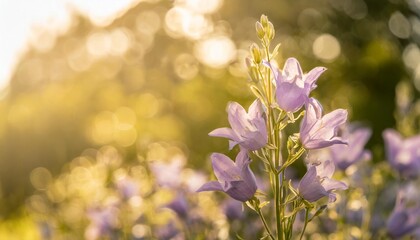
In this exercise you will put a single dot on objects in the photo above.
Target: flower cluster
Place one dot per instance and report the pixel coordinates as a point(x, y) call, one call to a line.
point(260, 134)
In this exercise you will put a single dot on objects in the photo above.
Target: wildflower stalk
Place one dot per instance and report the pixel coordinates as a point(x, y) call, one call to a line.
point(259, 133)
point(306, 223)
point(267, 228)
point(275, 140)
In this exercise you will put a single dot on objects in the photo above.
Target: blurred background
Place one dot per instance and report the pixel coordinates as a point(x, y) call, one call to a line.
point(81, 75)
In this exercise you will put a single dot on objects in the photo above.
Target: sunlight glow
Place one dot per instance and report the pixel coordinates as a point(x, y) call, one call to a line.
point(216, 52)
point(39, 22)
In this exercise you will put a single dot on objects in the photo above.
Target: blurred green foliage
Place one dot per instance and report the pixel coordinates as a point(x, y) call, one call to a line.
point(141, 80)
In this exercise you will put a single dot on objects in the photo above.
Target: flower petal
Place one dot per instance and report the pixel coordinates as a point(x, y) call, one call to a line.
point(276, 71)
point(325, 169)
point(210, 186)
point(310, 187)
point(237, 118)
point(224, 168)
point(312, 76)
point(321, 143)
point(290, 97)
point(393, 144)
point(292, 68)
point(224, 133)
point(242, 161)
point(255, 111)
point(331, 184)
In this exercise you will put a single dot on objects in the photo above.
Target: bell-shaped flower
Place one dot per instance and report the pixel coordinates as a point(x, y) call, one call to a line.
point(404, 219)
point(317, 182)
point(292, 85)
point(248, 129)
point(346, 155)
point(317, 131)
point(234, 178)
point(403, 154)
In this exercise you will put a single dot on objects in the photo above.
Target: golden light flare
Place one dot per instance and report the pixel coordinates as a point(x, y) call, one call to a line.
point(216, 52)
point(326, 47)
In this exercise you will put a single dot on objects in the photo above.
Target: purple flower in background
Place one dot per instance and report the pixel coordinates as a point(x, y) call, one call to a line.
point(179, 205)
point(233, 209)
point(167, 173)
point(317, 131)
point(403, 154)
point(103, 222)
point(234, 178)
point(292, 86)
point(127, 187)
point(169, 231)
point(248, 129)
point(317, 182)
point(404, 219)
point(346, 155)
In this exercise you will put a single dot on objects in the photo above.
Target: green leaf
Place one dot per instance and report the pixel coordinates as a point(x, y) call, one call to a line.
point(295, 211)
point(275, 51)
point(264, 237)
point(239, 237)
point(263, 204)
point(271, 146)
point(318, 212)
point(256, 92)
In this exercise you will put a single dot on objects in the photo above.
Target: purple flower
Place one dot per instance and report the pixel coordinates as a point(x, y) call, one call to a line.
point(317, 131)
point(317, 182)
point(403, 154)
point(234, 178)
point(127, 187)
point(167, 173)
point(346, 155)
point(233, 209)
point(103, 222)
point(168, 231)
point(248, 129)
point(292, 86)
point(180, 206)
point(404, 219)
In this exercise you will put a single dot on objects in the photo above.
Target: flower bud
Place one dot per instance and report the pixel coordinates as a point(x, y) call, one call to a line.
point(270, 31)
point(256, 53)
point(260, 30)
point(264, 21)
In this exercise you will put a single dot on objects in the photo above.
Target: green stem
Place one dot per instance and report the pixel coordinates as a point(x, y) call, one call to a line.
point(278, 207)
point(265, 223)
point(306, 223)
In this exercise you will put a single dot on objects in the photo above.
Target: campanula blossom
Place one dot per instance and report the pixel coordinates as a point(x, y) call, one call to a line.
point(247, 129)
point(346, 155)
point(404, 219)
point(403, 154)
point(234, 178)
point(317, 182)
point(317, 131)
point(292, 85)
